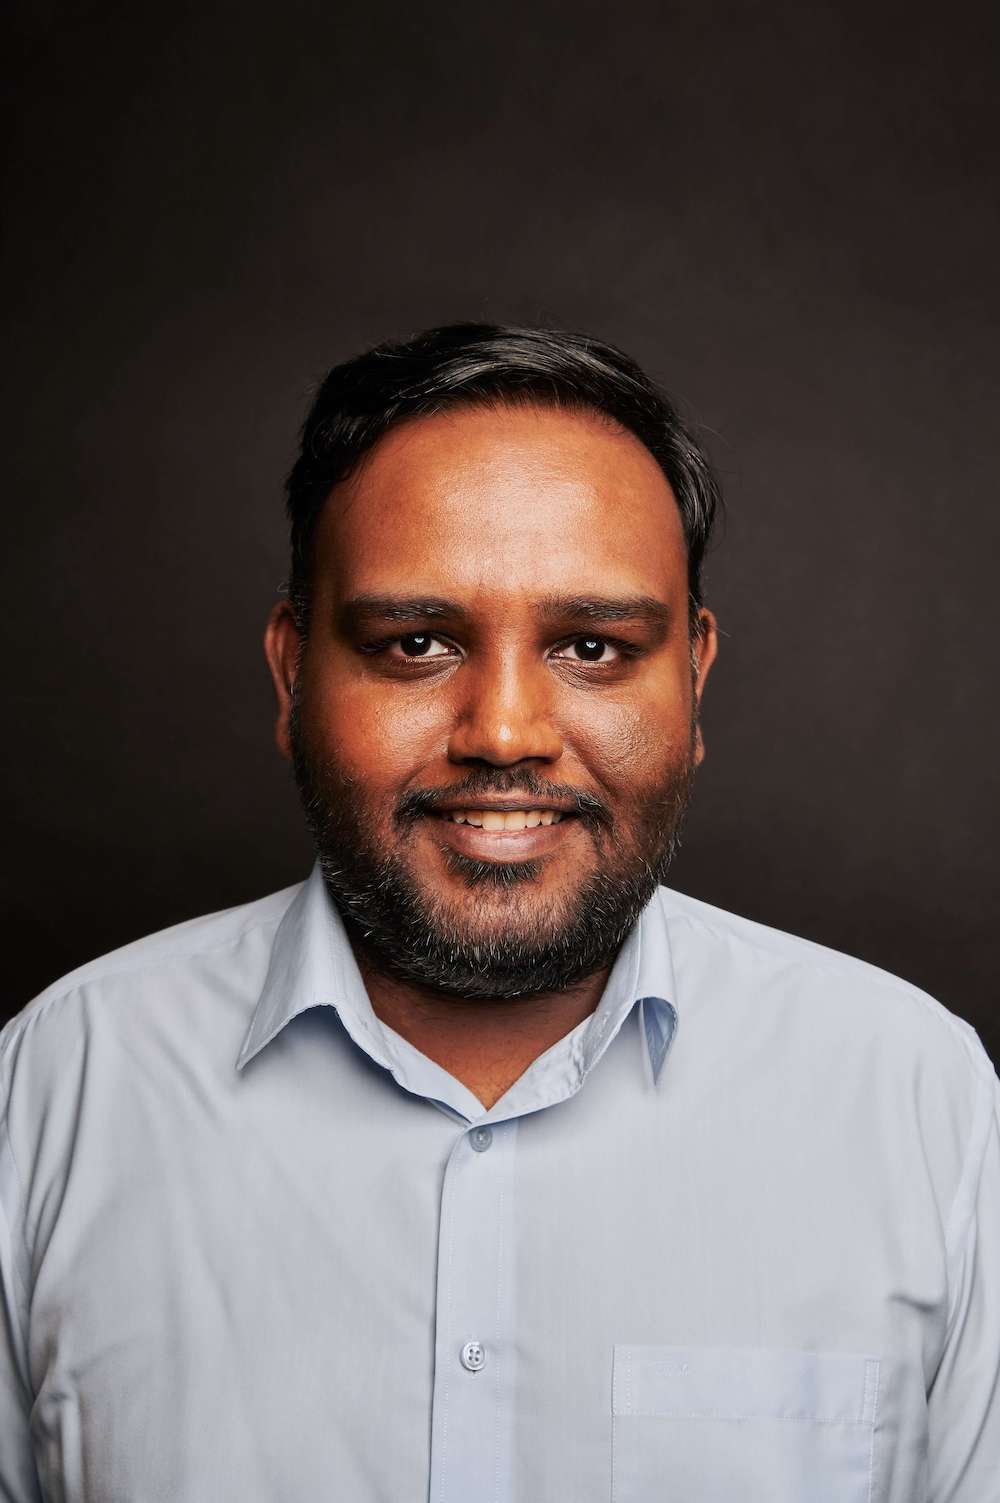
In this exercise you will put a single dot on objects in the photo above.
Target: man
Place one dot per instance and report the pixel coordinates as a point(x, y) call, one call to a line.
point(481, 1166)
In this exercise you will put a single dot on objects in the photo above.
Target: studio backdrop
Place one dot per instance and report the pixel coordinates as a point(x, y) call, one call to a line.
point(787, 214)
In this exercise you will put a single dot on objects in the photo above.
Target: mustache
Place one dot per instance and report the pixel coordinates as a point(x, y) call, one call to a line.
point(497, 782)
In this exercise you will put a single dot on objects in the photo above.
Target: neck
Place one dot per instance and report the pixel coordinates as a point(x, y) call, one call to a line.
point(486, 1043)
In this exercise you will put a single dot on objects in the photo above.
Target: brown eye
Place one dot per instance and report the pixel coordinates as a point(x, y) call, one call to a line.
point(590, 650)
point(416, 644)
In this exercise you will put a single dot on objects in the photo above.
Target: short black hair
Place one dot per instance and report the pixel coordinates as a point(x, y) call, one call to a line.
point(487, 365)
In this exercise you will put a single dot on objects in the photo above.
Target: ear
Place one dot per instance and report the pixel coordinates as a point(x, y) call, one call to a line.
point(282, 648)
point(704, 649)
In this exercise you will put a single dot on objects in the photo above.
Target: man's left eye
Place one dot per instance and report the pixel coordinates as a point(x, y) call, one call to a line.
point(590, 650)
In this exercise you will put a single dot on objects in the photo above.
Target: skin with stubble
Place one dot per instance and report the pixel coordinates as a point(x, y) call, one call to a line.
point(493, 720)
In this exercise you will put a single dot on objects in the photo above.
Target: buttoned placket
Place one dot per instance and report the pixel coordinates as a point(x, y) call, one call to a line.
point(471, 1437)
point(472, 1422)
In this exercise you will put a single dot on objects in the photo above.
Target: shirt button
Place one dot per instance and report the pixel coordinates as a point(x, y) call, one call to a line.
point(481, 1138)
point(473, 1356)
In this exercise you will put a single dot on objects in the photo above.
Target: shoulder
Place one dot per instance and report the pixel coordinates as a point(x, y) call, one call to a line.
point(826, 1044)
point(177, 961)
point(817, 993)
point(148, 1026)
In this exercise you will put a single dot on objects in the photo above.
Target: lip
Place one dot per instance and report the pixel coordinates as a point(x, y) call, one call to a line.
point(506, 806)
point(500, 845)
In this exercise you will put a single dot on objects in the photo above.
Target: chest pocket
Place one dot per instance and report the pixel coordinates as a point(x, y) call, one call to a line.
point(711, 1424)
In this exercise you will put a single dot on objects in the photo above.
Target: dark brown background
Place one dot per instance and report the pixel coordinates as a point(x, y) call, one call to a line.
point(788, 213)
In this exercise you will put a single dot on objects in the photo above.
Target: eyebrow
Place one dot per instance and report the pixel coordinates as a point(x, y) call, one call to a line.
point(594, 609)
point(645, 609)
point(398, 608)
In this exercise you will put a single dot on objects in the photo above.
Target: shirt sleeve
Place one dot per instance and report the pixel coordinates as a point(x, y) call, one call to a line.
point(18, 1477)
point(964, 1398)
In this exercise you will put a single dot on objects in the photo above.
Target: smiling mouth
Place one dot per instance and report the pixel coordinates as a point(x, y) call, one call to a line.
point(497, 820)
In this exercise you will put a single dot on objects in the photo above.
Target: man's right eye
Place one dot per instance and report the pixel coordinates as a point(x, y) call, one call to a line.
point(419, 645)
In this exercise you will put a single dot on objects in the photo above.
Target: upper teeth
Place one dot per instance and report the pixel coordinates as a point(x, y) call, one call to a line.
point(497, 819)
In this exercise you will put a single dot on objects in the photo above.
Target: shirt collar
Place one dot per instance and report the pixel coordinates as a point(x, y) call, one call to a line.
point(312, 965)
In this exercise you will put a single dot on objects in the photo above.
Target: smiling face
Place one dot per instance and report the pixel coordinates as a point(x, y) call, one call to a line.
point(493, 718)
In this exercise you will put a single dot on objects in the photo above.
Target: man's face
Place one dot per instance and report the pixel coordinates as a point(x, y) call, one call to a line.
point(493, 719)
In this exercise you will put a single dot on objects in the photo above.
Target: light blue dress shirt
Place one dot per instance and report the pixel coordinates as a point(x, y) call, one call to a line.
point(734, 1239)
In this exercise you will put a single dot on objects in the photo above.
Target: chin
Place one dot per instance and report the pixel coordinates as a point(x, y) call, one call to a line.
point(493, 917)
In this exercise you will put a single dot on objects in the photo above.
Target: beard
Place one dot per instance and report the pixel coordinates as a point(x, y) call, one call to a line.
point(502, 940)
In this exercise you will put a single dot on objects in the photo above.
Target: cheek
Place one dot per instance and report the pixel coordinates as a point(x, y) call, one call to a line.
point(632, 744)
point(379, 738)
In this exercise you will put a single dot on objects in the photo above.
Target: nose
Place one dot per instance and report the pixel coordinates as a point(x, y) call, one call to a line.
point(505, 716)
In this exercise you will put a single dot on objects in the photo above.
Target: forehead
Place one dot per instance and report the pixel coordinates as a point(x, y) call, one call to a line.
point(504, 501)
